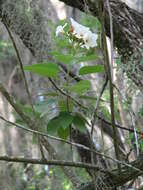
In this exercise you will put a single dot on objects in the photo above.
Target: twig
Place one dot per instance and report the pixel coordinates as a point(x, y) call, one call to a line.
point(10, 99)
point(52, 162)
point(20, 62)
point(65, 141)
point(118, 126)
point(94, 118)
point(132, 114)
point(67, 95)
point(96, 106)
point(71, 74)
point(68, 172)
point(108, 70)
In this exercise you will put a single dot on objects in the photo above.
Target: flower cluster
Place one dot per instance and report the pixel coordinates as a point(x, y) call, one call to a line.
point(82, 33)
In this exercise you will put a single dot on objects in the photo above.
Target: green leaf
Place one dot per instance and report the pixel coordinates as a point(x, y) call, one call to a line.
point(81, 87)
point(63, 105)
point(63, 133)
point(65, 119)
point(53, 94)
point(44, 69)
point(53, 126)
point(91, 69)
point(86, 58)
point(79, 122)
point(65, 58)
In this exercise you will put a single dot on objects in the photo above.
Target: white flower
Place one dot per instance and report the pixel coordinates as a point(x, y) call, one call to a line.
point(78, 29)
point(60, 29)
point(82, 32)
point(90, 40)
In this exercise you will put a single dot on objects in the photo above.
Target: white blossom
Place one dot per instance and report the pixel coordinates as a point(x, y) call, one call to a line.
point(78, 29)
point(60, 29)
point(90, 40)
point(82, 32)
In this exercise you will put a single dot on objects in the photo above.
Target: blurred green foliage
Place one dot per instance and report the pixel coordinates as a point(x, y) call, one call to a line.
point(6, 50)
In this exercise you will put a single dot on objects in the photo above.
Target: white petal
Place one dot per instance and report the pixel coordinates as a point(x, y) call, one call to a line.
point(79, 30)
point(59, 30)
point(90, 40)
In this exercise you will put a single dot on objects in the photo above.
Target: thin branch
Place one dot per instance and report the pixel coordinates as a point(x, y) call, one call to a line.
point(71, 74)
point(65, 141)
point(97, 104)
point(17, 108)
point(67, 95)
point(118, 126)
point(31, 124)
point(59, 163)
point(108, 70)
point(132, 114)
point(20, 62)
point(94, 119)
point(52, 162)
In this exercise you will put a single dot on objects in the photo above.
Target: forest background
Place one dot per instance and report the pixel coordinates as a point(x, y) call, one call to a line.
point(66, 114)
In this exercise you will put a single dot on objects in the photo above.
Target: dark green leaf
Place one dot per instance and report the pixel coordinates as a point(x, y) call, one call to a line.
point(63, 133)
point(79, 121)
point(53, 126)
point(44, 69)
point(65, 119)
point(91, 69)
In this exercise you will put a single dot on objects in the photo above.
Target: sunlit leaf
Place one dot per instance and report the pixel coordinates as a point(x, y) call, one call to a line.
point(81, 87)
point(53, 94)
point(64, 58)
point(86, 58)
point(44, 69)
point(91, 69)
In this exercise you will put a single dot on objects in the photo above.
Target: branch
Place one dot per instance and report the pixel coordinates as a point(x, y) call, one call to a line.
point(20, 63)
point(17, 108)
point(120, 179)
point(64, 141)
point(31, 124)
point(52, 162)
point(67, 95)
point(108, 71)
